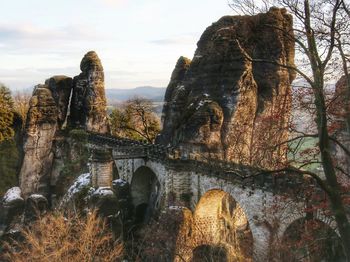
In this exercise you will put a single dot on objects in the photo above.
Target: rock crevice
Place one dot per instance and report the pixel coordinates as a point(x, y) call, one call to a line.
point(61, 104)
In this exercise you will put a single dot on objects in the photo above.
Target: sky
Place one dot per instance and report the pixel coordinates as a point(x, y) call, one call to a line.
point(138, 41)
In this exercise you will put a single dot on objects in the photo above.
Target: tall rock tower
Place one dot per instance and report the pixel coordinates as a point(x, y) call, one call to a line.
point(59, 104)
point(232, 101)
point(89, 107)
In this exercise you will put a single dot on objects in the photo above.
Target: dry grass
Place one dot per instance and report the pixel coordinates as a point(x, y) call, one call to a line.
point(56, 237)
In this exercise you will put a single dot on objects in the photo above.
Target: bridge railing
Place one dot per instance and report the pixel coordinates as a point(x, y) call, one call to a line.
point(128, 148)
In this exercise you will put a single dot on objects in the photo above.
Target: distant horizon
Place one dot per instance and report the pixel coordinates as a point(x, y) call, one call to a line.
point(137, 41)
point(28, 89)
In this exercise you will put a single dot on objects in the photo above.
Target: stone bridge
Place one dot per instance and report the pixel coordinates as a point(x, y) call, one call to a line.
point(256, 206)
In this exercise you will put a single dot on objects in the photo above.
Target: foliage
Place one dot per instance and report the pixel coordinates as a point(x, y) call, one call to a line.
point(56, 237)
point(157, 240)
point(21, 104)
point(9, 155)
point(9, 161)
point(6, 114)
point(310, 240)
point(135, 120)
point(79, 135)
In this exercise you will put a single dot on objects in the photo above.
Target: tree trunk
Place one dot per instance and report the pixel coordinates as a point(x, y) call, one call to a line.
point(334, 193)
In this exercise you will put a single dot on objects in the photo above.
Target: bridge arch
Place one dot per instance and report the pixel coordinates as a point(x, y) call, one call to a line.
point(310, 240)
point(251, 201)
point(145, 188)
point(221, 228)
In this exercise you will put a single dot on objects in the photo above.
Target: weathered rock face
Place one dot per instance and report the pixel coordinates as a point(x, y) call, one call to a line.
point(36, 206)
point(338, 110)
point(41, 126)
point(88, 107)
point(12, 207)
point(174, 100)
point(54, 106)
point(223, 103)
point(60, 87)
point(339, 104)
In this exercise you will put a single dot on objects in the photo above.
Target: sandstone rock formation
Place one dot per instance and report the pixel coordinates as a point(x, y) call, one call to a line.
point(41, 127)
point(88, 107)
point(60, 87)
point(174, 99)
point(12, 207)
point(59, 104)
point(227, 105)
point(338, 110)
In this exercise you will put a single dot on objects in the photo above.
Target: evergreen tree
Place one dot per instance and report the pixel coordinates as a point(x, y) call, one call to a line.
point(6, 114)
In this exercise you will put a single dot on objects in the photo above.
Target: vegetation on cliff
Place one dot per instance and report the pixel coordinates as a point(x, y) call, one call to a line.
point(12, 115)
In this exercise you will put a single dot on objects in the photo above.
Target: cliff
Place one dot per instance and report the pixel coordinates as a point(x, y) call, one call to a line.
point(338, 112)
point(89, 106)
point(228, 102)
point(60, 105)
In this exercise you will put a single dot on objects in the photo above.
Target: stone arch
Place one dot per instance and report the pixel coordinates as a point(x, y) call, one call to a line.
point(310, 240)
point(251, 201)
point(297, 211)
point(220, 224)
point(145, 189)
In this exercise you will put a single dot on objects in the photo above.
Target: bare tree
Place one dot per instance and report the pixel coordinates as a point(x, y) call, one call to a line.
point(135, 119)
point(320, 33)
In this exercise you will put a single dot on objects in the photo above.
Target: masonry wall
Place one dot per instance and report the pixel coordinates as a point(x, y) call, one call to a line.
point(268, 214)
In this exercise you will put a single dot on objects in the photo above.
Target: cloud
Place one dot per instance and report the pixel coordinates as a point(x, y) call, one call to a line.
point(114, 3)
point(25, 38)
point(176, 40)
point(24, 78)
point(31, 32)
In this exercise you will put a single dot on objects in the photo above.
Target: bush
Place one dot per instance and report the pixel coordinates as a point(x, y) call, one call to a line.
point(56, 237)
point(9, 163)
point(79, 135)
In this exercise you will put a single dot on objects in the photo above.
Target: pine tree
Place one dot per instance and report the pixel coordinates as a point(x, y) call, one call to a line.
point(6, 114)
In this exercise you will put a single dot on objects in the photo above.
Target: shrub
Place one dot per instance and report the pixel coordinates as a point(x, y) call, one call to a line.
point(56, 237)
point(79, 135)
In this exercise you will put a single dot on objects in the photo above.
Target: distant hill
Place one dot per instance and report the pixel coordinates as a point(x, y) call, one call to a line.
point(155, 94)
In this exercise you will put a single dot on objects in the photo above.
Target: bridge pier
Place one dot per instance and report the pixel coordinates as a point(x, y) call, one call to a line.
point(101, 168)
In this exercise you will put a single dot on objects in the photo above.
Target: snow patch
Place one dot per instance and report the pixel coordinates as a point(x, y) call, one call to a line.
point(200, 104)
point(36, 196)
point(79, 184)
point(14, 231)
point(119, 182)
point(176, 207)
point(82, 181)
point(103, 191)
point(12, 194)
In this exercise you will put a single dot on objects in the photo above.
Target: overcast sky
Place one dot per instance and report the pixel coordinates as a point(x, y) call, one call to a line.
point(138, 41)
